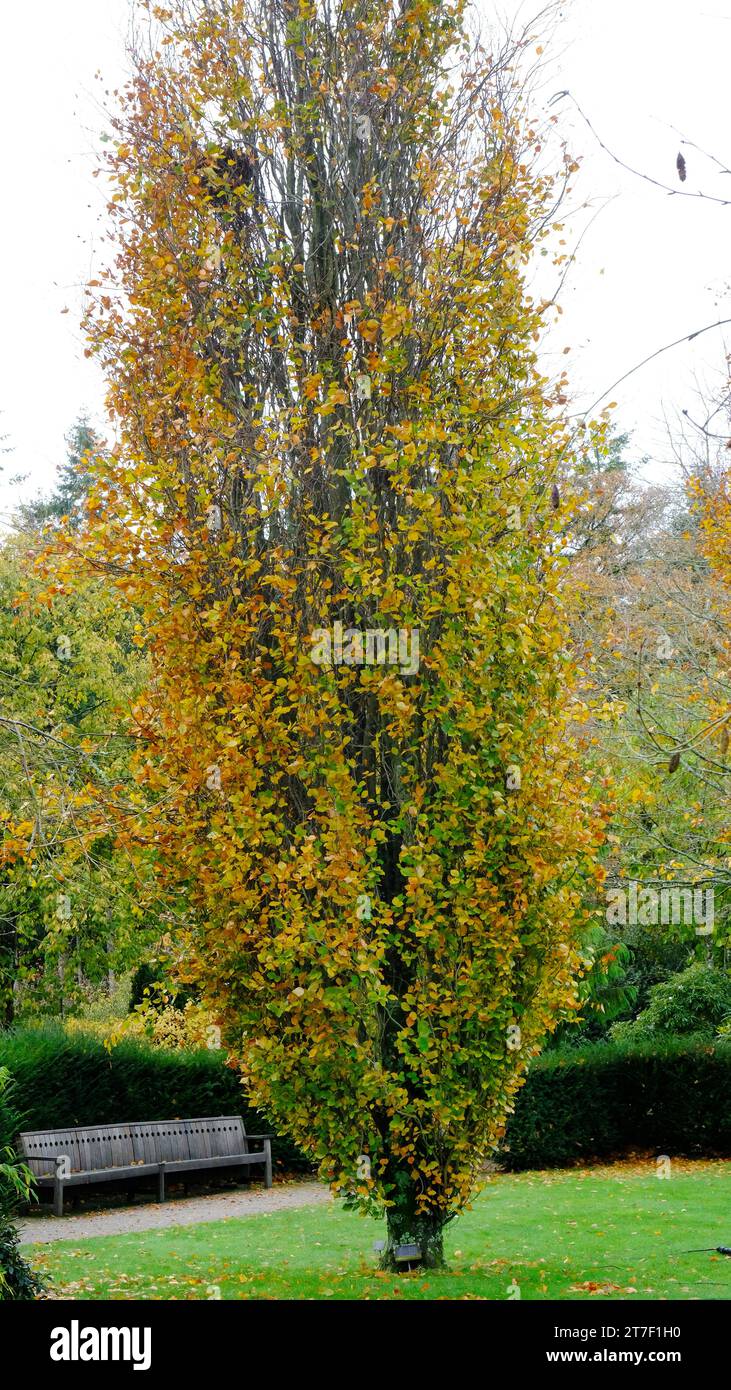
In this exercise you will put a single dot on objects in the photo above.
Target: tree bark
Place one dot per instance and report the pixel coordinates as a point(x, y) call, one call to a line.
point(404, 1226)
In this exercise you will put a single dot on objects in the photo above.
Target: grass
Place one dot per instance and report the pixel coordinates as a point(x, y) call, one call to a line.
point(614, 1232)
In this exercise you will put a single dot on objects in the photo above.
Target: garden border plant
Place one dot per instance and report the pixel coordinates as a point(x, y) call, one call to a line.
point(18, 1282)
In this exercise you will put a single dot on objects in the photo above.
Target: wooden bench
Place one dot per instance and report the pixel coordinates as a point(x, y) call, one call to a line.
point(61, 1158)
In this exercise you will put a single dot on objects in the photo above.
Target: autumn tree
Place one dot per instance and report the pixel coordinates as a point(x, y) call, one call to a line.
point(320, 352)
point(71, 664)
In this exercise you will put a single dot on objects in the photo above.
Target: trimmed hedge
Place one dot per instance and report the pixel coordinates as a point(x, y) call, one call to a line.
point(71, 1079)
point(9, 1114)
point(578, 1104)
point(606, 1099)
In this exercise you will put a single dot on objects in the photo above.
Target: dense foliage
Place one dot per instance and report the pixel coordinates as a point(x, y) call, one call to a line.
point(695, 1001)
point(668, 1097)
point(70, 666)
point(17, 1280)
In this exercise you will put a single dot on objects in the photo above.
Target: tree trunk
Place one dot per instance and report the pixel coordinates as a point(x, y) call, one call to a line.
point(405, 1227)
point(7, 1007)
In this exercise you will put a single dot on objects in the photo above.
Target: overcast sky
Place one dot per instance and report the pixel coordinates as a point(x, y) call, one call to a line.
point(650, 268)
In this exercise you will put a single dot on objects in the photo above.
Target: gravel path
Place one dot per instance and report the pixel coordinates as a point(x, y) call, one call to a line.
point(186, 1211)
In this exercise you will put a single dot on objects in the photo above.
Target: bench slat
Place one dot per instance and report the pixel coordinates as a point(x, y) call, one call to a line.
point(143, 1145)
point(198, 1135)
point(229, 1161)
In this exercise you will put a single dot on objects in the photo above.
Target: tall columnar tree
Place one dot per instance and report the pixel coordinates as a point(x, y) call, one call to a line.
point(320, 355)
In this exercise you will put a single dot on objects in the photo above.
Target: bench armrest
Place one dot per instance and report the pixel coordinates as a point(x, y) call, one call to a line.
point(32, 1157)
point(261, 1136)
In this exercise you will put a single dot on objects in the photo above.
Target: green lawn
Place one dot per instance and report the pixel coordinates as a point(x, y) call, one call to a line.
point(611, 1232)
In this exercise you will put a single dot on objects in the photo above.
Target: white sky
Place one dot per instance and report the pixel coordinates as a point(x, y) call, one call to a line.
point(650, 269)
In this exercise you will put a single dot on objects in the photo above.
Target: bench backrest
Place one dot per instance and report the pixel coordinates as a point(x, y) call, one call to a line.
point(108, 1146)
point(211, 1137)
point(92, 1147)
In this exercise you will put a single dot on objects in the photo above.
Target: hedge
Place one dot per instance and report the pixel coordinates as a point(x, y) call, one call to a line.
point(71, 1079)
point(9, 1113)
point(577, 1104)
point(606, 1099)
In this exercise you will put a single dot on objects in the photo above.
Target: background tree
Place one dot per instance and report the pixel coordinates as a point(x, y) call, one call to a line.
point(71, 663)
point(72, 484)
point(322, 374)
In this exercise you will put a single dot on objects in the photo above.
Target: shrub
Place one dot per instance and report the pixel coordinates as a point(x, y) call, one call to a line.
point(603, 1100)
point(17, 1280)
point(695, 1002)
point(655, 955)
point(102, 1004)
point(73, 1079)
point(9, 1115)
point(150, 986)
point(145, 978)
point(604, 993)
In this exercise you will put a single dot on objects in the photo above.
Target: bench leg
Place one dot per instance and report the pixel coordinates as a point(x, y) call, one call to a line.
point(161, 1183)
point(268, 1163)
point(58, 1196)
